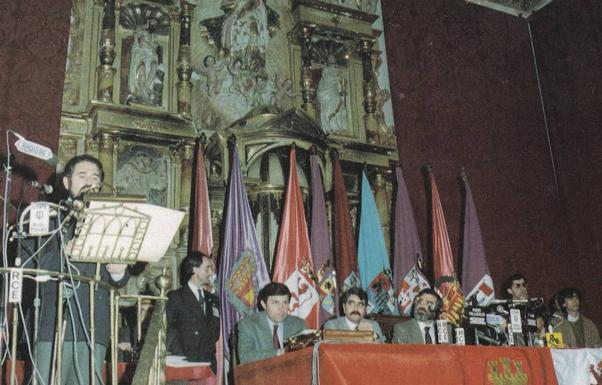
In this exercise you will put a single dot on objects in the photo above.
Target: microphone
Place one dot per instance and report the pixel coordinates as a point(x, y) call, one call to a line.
point(500, 309)
point(537, 301)
point(41, 187)
point(36, 150)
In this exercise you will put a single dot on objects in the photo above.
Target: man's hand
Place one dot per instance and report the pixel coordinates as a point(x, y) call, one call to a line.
point(125, 346)
point(116, 268)
point(365, 326)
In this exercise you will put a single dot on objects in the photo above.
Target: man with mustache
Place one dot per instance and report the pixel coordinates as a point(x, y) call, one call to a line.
point(353, 304)
point(82, 174)
point(420, 329)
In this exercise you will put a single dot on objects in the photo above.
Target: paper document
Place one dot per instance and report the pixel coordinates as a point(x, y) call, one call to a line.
point(181, 362)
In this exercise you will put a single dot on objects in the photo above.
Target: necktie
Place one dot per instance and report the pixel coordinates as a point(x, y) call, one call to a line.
point(202, 301)
point(427, 335)
point(275, 340)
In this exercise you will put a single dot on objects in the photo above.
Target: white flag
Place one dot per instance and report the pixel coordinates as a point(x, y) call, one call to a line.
point(578, 366)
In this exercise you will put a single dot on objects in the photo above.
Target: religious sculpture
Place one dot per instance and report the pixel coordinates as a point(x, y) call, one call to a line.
point(143, 171)
point(245, 31)
point(284, 90)
point(332, 98)
point(145, 79)
point(211, 68)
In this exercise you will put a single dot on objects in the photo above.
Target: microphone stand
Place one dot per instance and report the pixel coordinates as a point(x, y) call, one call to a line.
point(36, 313)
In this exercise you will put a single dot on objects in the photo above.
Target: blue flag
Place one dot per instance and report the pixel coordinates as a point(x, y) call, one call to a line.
point(372, 257)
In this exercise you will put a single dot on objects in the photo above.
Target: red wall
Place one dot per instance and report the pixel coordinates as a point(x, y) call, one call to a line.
point(33, 48)
point(465, 94)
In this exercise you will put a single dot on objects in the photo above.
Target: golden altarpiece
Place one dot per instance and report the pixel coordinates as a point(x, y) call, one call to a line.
point(145, 79)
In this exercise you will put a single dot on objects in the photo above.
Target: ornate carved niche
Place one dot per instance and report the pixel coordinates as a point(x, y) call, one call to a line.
point(144, 60)
point(143, 170)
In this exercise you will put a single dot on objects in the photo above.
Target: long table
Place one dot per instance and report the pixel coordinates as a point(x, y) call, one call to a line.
point(125, 373)
point(402, 364)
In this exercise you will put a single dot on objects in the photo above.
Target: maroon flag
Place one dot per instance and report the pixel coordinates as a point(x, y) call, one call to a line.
point(344, 242)
point(320, 244)
point(443, 261)
point(293, 264)
point(202, 237)
point(476, 280)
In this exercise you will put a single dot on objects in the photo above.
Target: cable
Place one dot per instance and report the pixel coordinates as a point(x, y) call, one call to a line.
point(34, 364)
point(543, 109)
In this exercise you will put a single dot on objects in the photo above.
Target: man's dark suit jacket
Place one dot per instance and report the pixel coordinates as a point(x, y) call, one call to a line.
point(77, 299)
point(191, 333)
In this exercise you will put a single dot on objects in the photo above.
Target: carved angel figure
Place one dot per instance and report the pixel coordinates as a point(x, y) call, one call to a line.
point(284, 90)
point(210, 69)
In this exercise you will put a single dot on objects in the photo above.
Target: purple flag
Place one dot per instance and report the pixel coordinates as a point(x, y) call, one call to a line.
point(407, 253)
point(320, 244)
point(406, 248)
point(242, 271)
point(476, 280)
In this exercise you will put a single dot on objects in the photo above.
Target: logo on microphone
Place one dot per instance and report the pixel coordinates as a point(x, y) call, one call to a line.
point(33, 149)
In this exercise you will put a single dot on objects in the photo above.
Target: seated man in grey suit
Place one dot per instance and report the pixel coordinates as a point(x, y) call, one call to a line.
point(420, 329)
point(353, 304)
point(262, 335)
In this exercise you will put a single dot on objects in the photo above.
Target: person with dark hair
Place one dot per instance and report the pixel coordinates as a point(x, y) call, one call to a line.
point(420, 329)
point(353, 305)
point(98, 174)
point(515, 287)
point(193, 312)
point(577, 330)
point(262, 335)
point(83, 173)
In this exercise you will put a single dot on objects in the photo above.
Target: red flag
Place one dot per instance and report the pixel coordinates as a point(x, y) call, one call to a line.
point(344, 241)
point(202, 238)
point(293, 264)
point(443, 261)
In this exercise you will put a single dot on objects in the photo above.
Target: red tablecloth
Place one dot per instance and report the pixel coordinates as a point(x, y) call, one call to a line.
point(404, 364)
point(125, 372)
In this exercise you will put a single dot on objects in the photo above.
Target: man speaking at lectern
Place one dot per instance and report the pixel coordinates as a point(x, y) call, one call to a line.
point(82, 174)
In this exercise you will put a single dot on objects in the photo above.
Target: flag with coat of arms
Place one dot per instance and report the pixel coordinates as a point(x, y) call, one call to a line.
point(293, 264)
point(407, 253)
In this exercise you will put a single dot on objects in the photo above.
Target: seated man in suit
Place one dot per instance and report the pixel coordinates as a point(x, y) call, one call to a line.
point(420, 329)
point(262, 335)
point(353, 304)
point(193, 313)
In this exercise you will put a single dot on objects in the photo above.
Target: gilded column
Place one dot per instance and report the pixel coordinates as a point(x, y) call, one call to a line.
point(370, 120)
point(105, 71)
point(67, 148)
point(106, 151)
point(184, 69)
point(308, 89)
point(186, 154)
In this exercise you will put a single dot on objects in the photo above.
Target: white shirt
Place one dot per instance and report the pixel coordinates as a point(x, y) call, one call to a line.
point(195, 290)
point(280, 330)
point(351, 325)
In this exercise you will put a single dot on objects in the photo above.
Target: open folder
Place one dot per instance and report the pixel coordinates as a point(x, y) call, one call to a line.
point(113, 231)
